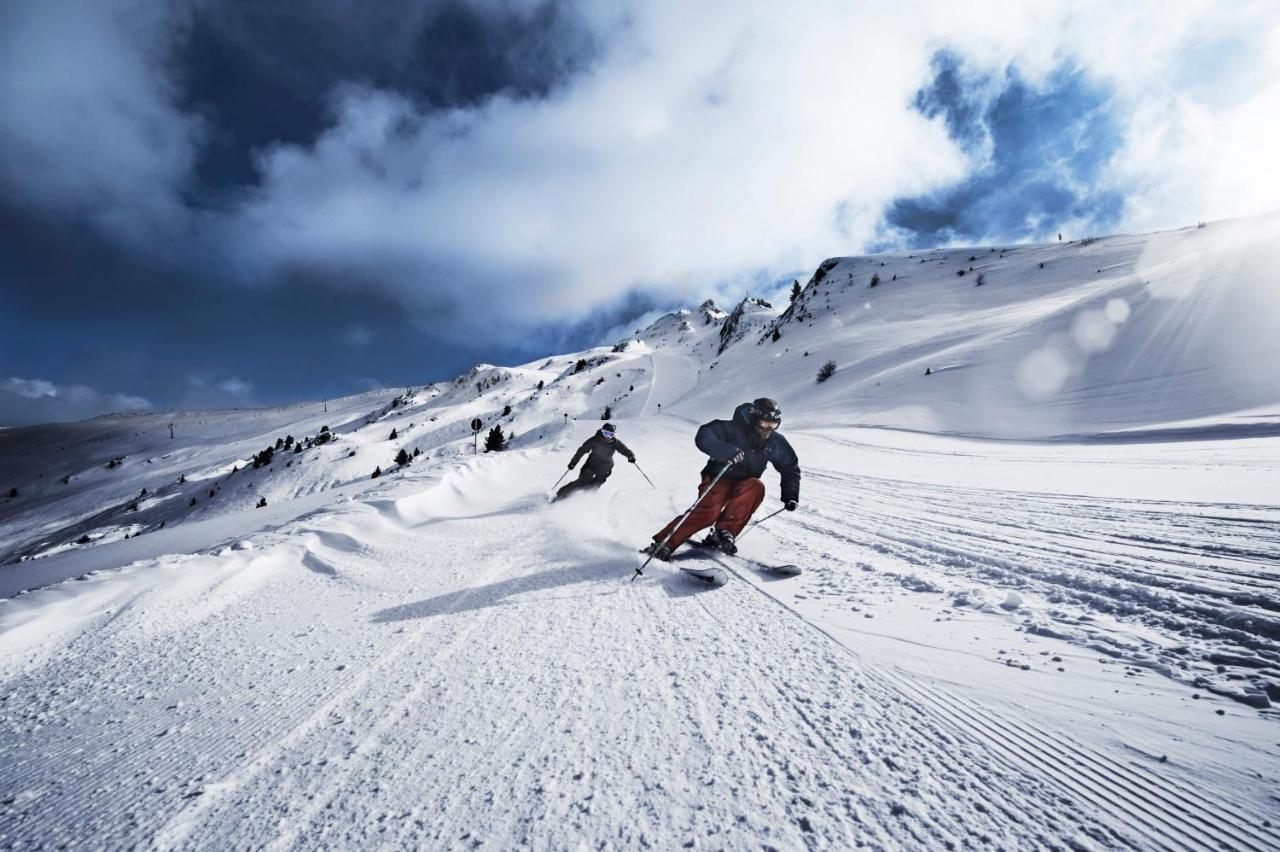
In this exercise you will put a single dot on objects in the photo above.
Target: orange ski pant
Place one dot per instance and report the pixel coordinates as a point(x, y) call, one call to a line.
point(729, 505)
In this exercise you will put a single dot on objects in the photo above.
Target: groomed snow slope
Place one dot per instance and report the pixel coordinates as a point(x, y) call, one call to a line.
point(1066, 643)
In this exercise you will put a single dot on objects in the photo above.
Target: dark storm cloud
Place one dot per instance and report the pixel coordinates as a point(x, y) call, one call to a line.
point(1044, 149)
point(115, 165)
point(263, 73)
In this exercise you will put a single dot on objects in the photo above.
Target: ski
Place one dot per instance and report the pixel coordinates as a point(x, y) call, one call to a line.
point(784, 570)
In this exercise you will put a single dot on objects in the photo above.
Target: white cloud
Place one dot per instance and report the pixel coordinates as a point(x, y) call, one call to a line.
point(357, 337)
point(88, 122)
point(30, 388)
point(236, 386)
point(714, 141)
point(709, 144)
point(27, 401)
point(212, 391)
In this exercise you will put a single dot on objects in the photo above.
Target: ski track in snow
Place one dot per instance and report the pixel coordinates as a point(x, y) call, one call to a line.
point(494, 682)
point(1203, 572)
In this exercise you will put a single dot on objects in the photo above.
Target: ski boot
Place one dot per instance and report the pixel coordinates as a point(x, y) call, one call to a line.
point(721, 540)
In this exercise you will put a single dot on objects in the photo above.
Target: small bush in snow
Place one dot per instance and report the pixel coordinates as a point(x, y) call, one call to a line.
point(982, 279)
point(776, 336)
point(377, 471)
point(506, 409)
point(826, 371)
point(13, 492)
point(540, 382)
point(193, 502)
point(580, 365)
point(84, 539)
point(262, 501)
point(875, 279)
point(394, 435)
point(495, 441)
point(416, 452)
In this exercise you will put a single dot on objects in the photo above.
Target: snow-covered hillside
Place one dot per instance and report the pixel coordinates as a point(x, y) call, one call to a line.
point(1041, 551)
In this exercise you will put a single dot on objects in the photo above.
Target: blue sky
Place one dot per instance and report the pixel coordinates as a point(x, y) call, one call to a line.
point(209, 203)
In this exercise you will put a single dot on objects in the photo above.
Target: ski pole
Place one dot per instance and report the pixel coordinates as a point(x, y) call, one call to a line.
point(646, 477)
point(562, 476)
point(726, 467)
point(761, 521)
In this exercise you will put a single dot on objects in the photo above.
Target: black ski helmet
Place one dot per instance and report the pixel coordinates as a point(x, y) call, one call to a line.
point(608, 427)
point(766, 409)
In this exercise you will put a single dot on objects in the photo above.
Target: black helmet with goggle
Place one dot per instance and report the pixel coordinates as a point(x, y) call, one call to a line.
point(767, 410)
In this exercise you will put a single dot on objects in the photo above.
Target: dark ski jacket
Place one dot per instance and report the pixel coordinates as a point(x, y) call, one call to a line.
point(601, 450)
point(722, 439)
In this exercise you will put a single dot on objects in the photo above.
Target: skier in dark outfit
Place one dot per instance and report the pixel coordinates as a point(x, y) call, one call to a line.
point(599, 450)
point(746, 444)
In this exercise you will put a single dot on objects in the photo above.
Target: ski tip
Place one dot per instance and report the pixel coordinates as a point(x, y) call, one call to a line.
point(712, 576)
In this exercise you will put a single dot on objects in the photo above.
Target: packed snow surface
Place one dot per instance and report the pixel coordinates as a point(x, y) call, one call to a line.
point(1039, 529)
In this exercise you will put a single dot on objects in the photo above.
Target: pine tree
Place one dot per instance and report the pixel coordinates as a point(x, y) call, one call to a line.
point(506, 409)
point(495, 441)
point(827, 371)
point(394, 435)
point(402, 458)
point(875, 279)
point(377, 471)
point(608, 413)
point(795, 290)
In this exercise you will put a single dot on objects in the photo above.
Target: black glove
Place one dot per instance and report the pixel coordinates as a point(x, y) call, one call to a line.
point(570, 465)
point(791, 505)
point(739, 457)
point(632, 459)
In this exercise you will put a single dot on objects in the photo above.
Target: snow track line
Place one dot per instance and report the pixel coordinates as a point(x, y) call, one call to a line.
point(1023, 747)
point(1127, 785)
point(367, 744)
point(926, 753)
point(1191, 822)
point(178, 828)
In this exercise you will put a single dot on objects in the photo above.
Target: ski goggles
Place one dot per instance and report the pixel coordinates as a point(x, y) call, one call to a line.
point(607, 434)
point(768, 422)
